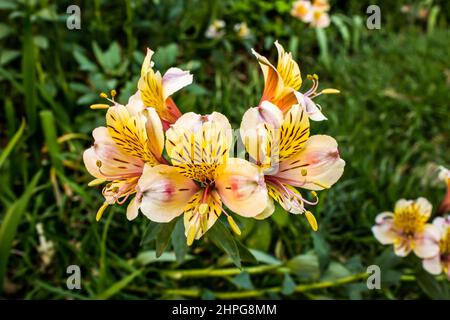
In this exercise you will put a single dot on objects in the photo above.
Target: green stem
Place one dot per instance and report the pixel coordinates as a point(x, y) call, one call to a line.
point(209, 272)
point(195, 293)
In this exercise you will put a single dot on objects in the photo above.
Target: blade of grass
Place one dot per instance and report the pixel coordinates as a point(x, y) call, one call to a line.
point(51, 139)
point(12, 143)
point(118, 286)
point(10, 223)
point(29, 75)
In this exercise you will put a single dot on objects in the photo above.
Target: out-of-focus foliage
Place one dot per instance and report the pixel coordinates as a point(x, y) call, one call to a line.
point(391, 121)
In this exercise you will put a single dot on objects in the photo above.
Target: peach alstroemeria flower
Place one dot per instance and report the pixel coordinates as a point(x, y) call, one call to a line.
point(407, 228)
point(315, 14)
point(441, 261)
point(301, 10)
point(319, 17)
point(198, 147)
point(155, 90)
point(283, 82)
point(290, 157)
point(444, 175)
point(121, 149)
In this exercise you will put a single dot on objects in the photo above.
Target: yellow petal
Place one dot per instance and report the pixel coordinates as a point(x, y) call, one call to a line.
point(288, 68)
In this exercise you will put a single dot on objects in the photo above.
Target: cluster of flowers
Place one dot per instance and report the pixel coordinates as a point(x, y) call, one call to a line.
point(196, 176)
point(217, 30)
point(407, 229)
point(315, 13)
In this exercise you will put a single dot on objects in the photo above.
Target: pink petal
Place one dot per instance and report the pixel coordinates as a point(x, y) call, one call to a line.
point(165, 192)
point(316, 167)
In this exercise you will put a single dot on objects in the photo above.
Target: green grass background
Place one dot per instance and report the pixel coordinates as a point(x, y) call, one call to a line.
point(391, 121)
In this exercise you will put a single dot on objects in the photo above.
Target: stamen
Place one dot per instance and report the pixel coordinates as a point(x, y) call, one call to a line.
point(101, 210)
point(312, 220)
point(96, 182)
point(99, 106)
point(191, 235)
point(233, 225)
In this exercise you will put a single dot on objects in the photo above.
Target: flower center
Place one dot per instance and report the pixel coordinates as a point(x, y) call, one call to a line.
point(444, 243)
point(410, 220)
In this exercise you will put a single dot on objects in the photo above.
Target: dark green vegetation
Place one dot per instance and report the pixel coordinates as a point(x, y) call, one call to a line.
point(392, 121)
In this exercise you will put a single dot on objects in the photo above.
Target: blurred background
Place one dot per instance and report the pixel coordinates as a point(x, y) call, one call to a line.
point(391, 121)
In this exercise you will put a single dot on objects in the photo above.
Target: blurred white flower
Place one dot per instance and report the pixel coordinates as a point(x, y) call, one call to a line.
point(45, 248)
point(242, 30)
point(216, 29)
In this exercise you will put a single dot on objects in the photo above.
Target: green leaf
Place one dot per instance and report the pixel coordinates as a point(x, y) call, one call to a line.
point(10, 224)
point(280, 216)
point(179, 241)
point(260, 237)
point(166, 56)
point(305, 265)
point(335, 271)
point(84, 62)
point(288, 285)
point(265, 258)
point(7, 56)
point(432, 287)
point(245, 254)
point(5, 30)
point(223, 239)
point(12, 143)
point(243, 281)
point(163, 236)
point(322, 249)
point(150, 232)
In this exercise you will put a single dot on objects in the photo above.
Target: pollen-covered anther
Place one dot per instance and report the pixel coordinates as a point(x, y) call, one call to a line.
point(101, 210)
point(96, 182)
point(191, 235)
point(99, 106)
point(233, 225)
point(311, 220)
point(330, 91)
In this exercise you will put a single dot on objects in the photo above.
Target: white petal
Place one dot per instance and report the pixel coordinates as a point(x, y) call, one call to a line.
point(427, 242)
point(175, 79)
point(432, 265)
point(384, 234)
point(133, 209)
point(311, 108)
